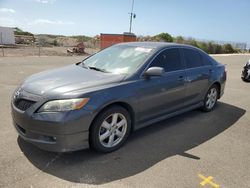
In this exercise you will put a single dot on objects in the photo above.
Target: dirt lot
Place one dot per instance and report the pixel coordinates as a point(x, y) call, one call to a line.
point(23, 51)
point(176, 152)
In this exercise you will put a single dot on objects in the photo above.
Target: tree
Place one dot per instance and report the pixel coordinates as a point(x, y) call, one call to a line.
point(192, 42)
point(165, 37)
point(19, 31)
point(218, 49)
point(210, 48)
point(228, 48)
point(203, 46)
point(179, 39)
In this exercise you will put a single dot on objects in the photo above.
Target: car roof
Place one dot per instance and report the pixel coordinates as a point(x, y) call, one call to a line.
point(155, 45)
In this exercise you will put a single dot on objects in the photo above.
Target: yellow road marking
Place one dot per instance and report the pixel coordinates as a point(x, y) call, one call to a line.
point(208, 180)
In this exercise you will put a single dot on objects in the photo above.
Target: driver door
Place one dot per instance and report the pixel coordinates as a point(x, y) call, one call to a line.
point(160, 95)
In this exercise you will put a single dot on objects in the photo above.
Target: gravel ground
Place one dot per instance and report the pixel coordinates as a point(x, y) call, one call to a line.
point(23, 51)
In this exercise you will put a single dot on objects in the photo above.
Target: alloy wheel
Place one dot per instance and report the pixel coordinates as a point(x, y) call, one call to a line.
point(112, 130)
point(211, 98)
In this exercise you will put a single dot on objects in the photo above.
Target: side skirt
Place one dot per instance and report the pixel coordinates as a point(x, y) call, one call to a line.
point(166, 116)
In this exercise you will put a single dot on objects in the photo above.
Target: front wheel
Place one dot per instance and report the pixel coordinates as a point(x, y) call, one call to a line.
point(110, 129)
point(210, 99)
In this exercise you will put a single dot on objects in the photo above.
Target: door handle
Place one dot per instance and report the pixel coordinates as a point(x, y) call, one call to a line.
point(211, 70)
point(181, 78)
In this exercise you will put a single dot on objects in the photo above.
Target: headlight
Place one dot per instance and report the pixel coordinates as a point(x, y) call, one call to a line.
point(63, 105)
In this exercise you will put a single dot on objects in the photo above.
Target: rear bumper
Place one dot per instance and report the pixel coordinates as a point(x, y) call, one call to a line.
point(57, 132)
point(222, 84)
point(222, 89)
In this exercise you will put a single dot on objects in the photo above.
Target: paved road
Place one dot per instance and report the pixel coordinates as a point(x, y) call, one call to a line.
point(178, 152)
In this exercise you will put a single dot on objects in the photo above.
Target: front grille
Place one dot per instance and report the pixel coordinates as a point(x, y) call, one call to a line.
point(23, 104)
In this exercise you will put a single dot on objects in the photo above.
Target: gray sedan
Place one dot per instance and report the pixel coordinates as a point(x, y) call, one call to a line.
point(98, 102)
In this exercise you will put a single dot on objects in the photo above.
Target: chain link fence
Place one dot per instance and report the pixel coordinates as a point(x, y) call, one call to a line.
point(48, 46)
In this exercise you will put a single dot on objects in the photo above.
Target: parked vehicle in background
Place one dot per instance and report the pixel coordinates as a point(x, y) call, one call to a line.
point(79, 49)
point(98, 102)
point(245, 75)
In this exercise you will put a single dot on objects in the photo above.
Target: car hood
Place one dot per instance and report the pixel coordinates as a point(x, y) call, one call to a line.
point(67, 79)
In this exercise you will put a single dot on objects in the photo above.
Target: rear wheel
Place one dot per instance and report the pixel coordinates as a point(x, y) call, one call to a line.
point(110, 129)
point(210, 99)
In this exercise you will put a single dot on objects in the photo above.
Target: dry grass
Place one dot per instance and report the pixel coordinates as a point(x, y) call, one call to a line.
point(44, 51)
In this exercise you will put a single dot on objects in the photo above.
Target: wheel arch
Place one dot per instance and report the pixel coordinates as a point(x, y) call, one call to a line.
point(123, 104)
point(218, 85)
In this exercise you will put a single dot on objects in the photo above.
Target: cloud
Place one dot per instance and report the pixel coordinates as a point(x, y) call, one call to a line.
point(50, 22)
point(7, 10)
point(24, 23)
point(46, 1)
point(8, 22)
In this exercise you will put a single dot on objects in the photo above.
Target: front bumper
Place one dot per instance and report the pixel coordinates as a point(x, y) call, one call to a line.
point(57, 132)
point(245, 75)
point(54, 143)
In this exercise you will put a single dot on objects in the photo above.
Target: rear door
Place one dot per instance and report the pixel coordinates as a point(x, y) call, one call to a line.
point(163, 94)
point(197, 75)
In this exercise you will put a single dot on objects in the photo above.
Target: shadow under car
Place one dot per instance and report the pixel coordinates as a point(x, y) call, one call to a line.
point(143, 149)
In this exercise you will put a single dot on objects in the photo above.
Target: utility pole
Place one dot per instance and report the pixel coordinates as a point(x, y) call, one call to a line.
point(39, 45)
point(132, 15)
point(2, 43)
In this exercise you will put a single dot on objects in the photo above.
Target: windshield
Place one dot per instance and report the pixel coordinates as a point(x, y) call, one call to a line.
point(120, 59)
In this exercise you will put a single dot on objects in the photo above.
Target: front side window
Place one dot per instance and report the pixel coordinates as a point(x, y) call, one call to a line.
point(119, 59)
point(169, 60)
point(192, 58)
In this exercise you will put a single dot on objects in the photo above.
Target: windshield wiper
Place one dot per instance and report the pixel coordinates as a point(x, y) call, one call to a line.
point(89, 67)
point(98, 69)
point(84, 66)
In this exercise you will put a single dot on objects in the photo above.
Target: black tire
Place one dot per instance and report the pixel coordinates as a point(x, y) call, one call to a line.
point(245, 80)
point(206, 107)
point(97, 128)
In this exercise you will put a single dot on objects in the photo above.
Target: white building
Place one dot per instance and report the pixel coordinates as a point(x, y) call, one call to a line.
point(7, 35)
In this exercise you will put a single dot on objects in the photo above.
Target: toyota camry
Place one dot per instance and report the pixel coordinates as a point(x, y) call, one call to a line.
point(101, 100)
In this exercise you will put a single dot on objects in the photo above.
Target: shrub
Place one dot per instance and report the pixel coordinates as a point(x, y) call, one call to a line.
point(192, 42)
point(55, 43)
point(228, 48)
point(165, 37)
point(82, 38)
point(218, 49)
point(179, 39)
point(19, 31)
point(203, 46)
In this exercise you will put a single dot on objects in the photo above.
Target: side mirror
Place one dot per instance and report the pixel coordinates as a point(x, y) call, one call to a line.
point(154, 71)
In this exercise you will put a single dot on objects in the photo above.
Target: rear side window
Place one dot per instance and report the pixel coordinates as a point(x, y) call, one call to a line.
point(192, 58)
point(168, 59)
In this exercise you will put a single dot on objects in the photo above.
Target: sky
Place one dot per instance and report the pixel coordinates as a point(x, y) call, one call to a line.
point(219, 20)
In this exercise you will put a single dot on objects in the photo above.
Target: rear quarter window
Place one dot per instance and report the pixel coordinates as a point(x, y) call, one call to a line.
point(206, 60)
point(192, 58)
